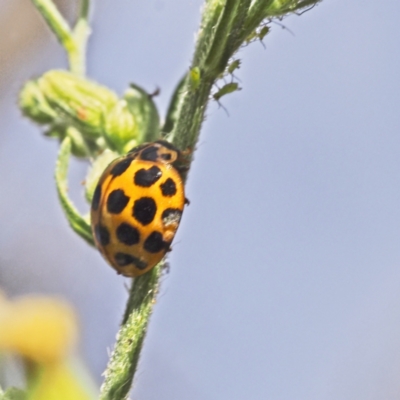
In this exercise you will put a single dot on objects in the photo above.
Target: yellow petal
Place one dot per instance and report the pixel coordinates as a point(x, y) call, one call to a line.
point(59, 381)
point(38, 328)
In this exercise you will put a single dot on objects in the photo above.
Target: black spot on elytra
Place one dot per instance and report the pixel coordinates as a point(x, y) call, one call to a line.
point(166, 156)
point(154, 242)
point(117, 201)
point(127, 234)
point(102, 234)
point(124, 259)
point(119, 168)
point(96, 198)
point(147, 177)
point(171, 215)
point(168, 188)
point(144, 210)
point(149, 154)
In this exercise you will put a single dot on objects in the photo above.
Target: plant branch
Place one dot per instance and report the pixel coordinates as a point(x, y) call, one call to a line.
point(210, 58)
point(212, 63)
point(81, 34)
point(76, 221)
point(55, 21)
point(74, 42)
point(84, 10)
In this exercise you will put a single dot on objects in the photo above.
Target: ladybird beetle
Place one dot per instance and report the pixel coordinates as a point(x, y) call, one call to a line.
point(137, 206)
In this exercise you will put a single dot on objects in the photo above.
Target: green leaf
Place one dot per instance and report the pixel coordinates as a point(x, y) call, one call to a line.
point(78, 223)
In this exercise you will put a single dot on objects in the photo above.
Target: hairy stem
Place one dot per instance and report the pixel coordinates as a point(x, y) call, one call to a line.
point(81, 33)
point(55, 21)
point(74, 42)
point(124, 360)
point(213, 63)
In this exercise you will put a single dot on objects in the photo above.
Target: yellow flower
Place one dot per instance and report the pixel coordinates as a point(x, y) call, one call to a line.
point(61, 381)
point(43, 332)
point(39, 328)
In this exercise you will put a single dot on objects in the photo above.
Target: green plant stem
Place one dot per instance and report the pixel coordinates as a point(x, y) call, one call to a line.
point(84, 9)
point(211, 58)
point(222, 34)
point(78, 223)
point(81, 34)
point(74, 42)
point(125, 357)
point(55, 21)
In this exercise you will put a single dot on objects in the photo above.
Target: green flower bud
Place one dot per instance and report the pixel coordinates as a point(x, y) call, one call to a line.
point(34, 105)
point(120, 126)
point(78, 101)
point(142, 107)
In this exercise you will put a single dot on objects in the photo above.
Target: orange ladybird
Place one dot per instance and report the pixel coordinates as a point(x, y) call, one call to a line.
point(137, 206)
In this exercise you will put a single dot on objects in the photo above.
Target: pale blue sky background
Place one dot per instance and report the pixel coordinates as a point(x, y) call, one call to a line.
point(285, 273)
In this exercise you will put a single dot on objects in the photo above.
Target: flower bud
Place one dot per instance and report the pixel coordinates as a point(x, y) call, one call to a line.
point(142, 107)
point(120, 126)
point(77, 100)
point(34, 104)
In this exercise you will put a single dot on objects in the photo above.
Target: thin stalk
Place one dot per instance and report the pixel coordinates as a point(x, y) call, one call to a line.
point(74, 42)
point(125, 357)
point(222, 35)
point(84, 9)
point(191, 116)
point(55, 21)
point(81, 34)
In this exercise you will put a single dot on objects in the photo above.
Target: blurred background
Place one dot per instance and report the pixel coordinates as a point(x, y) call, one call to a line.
point(285, 273)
